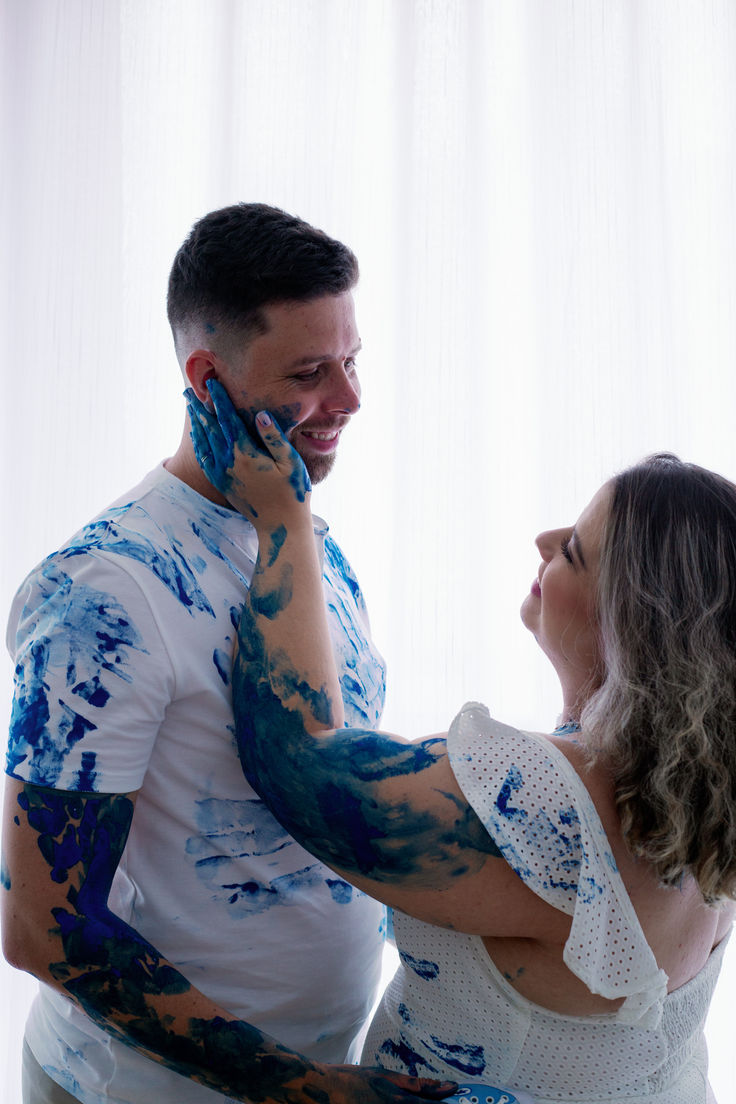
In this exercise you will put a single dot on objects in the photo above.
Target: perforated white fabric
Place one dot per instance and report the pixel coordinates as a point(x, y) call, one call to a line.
point(543, 820)
point(450, 1012)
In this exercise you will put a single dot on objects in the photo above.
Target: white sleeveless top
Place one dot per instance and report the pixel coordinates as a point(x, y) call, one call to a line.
point(449, 1011)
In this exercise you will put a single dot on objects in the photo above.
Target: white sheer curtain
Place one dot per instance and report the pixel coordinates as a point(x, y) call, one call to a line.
point(541, 195)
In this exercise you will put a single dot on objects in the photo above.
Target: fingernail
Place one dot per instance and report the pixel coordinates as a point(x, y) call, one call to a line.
point(188, 394)
point(263, 418)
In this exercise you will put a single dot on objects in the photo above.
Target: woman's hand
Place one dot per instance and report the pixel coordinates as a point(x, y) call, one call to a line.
point(265, 481)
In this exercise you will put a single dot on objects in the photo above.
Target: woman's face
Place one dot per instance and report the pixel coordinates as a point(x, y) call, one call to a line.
point(560, 608)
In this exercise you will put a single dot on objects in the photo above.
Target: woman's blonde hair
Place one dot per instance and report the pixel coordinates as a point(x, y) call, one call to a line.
point(664, 717)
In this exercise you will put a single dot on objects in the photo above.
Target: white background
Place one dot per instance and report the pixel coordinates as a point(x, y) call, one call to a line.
point(541, 195)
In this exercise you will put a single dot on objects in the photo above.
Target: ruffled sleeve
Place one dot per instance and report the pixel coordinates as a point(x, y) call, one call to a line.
point(542, 818)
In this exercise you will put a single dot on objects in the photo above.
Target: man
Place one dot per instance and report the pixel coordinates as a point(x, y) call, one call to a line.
point(188, 950)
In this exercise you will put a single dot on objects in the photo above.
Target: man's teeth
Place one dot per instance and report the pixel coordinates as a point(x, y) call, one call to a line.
point(330, 436)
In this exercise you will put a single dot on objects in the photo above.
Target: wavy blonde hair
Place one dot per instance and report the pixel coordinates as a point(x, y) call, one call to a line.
point(664, 716)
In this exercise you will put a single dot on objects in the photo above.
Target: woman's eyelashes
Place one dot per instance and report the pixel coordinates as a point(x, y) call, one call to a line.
point(565, 549)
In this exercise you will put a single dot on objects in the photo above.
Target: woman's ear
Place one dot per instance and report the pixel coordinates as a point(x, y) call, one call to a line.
point(201, 365)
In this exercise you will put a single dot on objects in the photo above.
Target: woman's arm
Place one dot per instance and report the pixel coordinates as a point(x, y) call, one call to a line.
point(387, 814)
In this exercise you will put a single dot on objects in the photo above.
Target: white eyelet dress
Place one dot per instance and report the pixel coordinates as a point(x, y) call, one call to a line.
point(450, 1012)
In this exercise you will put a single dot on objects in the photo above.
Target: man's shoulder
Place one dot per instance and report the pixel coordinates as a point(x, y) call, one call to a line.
point(339, 570)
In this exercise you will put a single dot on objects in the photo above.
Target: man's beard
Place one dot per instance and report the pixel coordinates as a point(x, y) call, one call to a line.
point(318, 467)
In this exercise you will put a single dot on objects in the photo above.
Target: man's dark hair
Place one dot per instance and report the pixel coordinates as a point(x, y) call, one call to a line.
point(240, 259)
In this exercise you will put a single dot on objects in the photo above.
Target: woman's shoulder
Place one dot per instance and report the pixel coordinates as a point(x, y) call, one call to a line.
point(664, 912)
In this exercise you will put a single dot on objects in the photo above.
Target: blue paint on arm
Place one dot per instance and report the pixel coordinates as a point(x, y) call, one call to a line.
point(326, 790)
point(119, 978)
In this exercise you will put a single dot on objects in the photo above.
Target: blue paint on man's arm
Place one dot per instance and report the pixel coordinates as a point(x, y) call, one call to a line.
point(327, 790)
point(116, 975)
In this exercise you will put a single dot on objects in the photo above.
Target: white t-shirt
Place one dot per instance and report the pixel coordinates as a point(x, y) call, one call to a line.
point(123, 640)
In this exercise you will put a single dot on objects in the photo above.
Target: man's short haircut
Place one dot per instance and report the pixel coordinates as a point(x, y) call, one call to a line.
point(240, 259)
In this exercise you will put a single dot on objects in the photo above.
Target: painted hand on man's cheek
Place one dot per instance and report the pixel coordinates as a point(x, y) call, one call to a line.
point(287, 417)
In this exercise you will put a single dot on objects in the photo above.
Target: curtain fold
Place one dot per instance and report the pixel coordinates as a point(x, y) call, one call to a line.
point(541, 196)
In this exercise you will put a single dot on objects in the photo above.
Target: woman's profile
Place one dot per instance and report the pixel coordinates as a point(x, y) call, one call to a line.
point(561, 902)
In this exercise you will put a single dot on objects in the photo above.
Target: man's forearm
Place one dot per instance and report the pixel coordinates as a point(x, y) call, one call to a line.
point(74, 943)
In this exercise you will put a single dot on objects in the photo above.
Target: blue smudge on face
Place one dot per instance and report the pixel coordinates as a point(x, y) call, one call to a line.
point(4, 874)
point(222, 663)
point(342, 892)
point(92, 636)
point(421, 966)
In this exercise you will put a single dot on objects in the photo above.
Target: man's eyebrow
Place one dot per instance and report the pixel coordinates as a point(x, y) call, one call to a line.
point(318, 358)
point(578, 549)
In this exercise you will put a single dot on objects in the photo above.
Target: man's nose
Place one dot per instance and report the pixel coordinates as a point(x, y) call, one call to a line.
point(344, 394)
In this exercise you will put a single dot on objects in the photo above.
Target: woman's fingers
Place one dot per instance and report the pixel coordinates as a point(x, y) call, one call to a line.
point(284, 454)
point(232, 426)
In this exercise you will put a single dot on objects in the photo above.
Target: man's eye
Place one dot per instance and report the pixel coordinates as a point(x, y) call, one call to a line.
point(307, 375)
point(565, 549)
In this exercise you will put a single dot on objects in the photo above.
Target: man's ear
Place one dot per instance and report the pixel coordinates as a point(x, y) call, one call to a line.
point(201, 365)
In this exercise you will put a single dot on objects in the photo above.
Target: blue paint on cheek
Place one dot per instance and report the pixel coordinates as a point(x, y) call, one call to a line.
point(287, 417)
point(4, 874)
point(342, 892)
point(222, 664)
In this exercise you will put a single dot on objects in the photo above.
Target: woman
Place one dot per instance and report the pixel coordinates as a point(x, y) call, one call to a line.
point(561, 902)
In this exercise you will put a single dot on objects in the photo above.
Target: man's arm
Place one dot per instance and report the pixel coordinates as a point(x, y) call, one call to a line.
point(60, 853)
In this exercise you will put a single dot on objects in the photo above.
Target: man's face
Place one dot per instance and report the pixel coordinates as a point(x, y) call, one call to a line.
point(303, 371)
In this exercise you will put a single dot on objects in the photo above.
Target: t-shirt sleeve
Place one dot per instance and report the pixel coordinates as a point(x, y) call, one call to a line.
point(543, 820)
point(93, 677)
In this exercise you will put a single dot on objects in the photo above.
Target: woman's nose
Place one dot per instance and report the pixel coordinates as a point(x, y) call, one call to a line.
point(549, 541)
